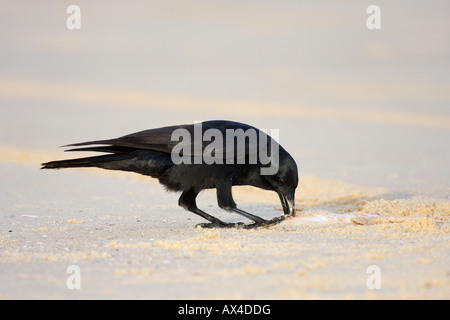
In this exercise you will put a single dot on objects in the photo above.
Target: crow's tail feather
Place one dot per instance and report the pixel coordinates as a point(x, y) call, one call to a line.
point(104, 161)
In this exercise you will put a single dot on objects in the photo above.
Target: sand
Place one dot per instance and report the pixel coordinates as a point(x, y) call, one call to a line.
point(365, 114)
point(130, 240)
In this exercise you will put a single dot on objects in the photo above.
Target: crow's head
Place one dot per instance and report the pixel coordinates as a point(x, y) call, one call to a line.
point(285, 181)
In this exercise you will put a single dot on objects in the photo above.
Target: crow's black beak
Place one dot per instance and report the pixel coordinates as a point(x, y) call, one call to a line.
point(287, 198)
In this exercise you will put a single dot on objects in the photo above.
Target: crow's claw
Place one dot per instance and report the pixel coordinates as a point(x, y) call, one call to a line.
point(212, 225)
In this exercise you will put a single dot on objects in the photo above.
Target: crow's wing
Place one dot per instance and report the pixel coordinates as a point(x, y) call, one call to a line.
point(166, 138)
point(153, 139)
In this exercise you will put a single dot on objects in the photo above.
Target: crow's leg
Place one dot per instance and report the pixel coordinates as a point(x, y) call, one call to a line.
point(226, 202)
point(250, 216)
point(187, 201)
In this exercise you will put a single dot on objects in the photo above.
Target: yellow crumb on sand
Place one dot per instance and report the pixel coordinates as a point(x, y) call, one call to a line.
point(75, 221)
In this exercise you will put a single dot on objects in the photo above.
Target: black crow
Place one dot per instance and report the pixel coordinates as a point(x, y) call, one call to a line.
point(190, 158)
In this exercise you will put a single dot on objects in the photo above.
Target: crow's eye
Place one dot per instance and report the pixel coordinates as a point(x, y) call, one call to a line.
point(281, 180)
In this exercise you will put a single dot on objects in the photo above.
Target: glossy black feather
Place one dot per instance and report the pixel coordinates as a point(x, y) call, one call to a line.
point(149, 153)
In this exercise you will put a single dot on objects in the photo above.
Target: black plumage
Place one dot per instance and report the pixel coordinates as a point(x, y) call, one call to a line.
point(150, 153)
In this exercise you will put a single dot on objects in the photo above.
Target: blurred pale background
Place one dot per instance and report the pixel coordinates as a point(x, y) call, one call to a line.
point(366, 106)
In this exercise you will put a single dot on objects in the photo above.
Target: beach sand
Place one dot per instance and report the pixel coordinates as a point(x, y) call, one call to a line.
point(364, 114)
point(130, 240)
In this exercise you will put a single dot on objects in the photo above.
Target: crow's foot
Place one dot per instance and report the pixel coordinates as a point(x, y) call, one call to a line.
point(266, 223)
point(212, 225)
